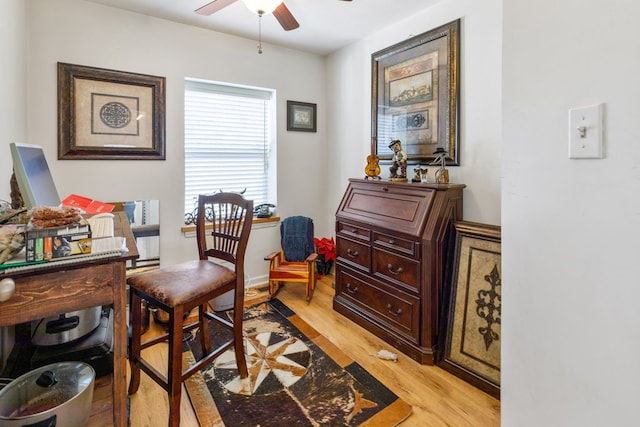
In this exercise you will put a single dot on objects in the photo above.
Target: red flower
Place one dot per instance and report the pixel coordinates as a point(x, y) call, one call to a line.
point(326, 247)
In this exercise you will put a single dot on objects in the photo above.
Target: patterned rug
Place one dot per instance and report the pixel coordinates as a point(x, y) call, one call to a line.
point(296, 378)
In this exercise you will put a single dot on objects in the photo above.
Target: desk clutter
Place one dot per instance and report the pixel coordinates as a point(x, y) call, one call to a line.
point(54, 234)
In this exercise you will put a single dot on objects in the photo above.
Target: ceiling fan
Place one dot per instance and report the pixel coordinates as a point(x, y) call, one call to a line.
point(260, 7)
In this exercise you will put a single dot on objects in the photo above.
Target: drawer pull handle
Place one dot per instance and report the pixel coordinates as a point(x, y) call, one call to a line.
point(394, 272)
point(392, 241)
point(385, 189)
point(350, 289)
point(354, 230)
point(396, 313)
point(352, 254)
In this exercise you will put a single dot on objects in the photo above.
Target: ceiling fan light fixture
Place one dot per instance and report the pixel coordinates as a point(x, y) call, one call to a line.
point(262, 7)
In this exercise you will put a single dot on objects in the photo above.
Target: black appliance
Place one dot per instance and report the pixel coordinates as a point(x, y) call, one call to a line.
point(94, 348)
point(66, 327)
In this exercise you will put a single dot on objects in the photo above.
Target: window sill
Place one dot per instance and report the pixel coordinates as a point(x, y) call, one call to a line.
point(190, 230)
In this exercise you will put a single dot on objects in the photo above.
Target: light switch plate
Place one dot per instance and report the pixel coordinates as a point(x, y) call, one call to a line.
point(586, 132)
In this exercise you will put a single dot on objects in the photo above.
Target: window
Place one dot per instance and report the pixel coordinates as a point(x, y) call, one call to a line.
point(228, 141)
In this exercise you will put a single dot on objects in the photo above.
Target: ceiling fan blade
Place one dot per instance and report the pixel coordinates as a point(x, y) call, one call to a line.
point(285, 18)
point(214, 6)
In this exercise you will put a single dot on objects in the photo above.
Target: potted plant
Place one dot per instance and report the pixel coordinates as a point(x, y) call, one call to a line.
point(326, 250)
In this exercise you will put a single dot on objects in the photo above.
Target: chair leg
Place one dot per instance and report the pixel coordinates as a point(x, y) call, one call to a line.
point(311, 284)
point(134, 341)
point(238, 336)
point(174, 372)
point(309, 291)
point(205, 341)
point(274, 287)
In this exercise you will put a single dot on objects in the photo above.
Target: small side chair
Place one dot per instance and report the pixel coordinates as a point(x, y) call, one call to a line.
point(296, 260)
point(222, 241)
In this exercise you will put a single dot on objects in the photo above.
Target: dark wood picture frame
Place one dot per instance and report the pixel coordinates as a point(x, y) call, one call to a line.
point(109, 115)
point(301, 116)
point(470, 328)
point(415, 95)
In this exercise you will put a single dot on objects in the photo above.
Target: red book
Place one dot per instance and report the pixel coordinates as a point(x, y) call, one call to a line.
point(86, 204)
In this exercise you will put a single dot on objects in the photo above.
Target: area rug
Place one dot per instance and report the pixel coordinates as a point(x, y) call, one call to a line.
point(296, 378)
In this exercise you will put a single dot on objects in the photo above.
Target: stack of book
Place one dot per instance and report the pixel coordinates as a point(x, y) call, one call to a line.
point(46, 244)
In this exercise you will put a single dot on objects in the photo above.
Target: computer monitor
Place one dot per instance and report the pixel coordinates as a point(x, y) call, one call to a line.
point(33, 175)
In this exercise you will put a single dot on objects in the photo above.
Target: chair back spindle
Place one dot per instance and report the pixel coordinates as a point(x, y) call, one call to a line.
point(231, 218)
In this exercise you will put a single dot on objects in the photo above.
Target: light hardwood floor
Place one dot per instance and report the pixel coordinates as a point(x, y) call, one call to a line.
point(437, 397)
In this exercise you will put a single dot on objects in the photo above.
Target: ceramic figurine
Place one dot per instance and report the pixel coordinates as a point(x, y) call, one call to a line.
point(442, 174)
point(372, 170)
point(398, 167)
point(420, 174)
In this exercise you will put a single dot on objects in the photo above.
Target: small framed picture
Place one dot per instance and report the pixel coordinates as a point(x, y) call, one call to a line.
point(301, 116)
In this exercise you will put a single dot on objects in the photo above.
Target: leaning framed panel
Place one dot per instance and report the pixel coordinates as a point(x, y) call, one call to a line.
point(472, 311)
point(415, 91)
point(107, 114)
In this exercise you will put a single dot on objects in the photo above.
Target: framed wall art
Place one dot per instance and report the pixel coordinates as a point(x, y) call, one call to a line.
point(301, 116)
point(108, 114)
point(415, 91)
point(472, 309)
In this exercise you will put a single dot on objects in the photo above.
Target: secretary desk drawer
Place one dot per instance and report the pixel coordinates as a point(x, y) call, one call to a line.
point(393, 308)
point(397, 269)
point(352, 231)
point(396, 244)
point(356, 254)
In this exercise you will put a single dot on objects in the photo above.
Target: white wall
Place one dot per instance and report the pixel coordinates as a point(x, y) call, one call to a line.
point(13, 105)
point(89, 34)
point(13, 84)
point(349, 116)
point(571, 322)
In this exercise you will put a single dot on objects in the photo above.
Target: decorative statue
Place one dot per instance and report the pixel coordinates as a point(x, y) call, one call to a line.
point(420, 174)
point(398, 167)
point(16, 196)
point(442, 174)
point(372, 170)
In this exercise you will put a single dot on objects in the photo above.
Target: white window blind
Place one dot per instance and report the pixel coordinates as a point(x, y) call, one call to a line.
point(228, 141)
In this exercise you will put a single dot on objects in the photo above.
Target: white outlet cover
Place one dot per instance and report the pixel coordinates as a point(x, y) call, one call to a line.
point(586, 132)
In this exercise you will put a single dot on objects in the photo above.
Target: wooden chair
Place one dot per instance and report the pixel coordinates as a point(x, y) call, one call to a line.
point(295, 262)
point(182, 287)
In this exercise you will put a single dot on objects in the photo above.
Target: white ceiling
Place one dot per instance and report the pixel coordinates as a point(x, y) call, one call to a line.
point(325, 25)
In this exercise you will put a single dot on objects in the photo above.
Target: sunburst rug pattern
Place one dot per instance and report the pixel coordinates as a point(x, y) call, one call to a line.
point(296, 378)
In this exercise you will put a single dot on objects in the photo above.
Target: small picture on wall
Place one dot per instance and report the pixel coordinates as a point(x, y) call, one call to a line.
point(301, 116)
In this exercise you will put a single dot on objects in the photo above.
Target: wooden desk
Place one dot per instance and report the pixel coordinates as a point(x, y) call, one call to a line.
point(48, 290)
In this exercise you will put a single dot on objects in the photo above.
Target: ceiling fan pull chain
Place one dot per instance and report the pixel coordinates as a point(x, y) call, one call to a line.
point(260, 13)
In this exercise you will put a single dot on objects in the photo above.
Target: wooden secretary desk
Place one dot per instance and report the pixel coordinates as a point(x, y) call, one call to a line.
point(392, 240)
point(50, 289)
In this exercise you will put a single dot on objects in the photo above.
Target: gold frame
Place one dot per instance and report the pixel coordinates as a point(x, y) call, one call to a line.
point(108, 114)
point(473, 306)
point(415, 91)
